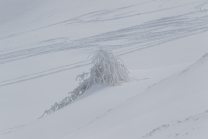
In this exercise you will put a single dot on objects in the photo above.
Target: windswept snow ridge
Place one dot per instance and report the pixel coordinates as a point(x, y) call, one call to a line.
point(189, 124)
point(197, 63)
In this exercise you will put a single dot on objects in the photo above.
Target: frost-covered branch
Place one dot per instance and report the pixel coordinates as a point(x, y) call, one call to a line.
point(106, 69)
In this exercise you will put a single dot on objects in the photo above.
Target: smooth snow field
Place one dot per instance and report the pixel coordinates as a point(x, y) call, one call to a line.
point(45, 44)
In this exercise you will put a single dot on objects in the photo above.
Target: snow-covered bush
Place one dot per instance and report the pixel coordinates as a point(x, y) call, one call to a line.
point(106, 69)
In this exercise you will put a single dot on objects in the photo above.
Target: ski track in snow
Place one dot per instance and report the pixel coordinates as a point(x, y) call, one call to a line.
point(43, 73)
point(7, 131)
point(97, 118)
point(99, 16)
point(144, 35)
point(135, 38)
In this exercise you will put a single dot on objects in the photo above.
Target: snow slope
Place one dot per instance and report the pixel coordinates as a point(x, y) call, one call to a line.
point(44, 45)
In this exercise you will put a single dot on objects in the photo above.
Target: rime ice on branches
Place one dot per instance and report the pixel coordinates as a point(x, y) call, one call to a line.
point(106, 69)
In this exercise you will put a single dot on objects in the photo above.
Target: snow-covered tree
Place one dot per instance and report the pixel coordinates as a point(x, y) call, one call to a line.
point(106, 69)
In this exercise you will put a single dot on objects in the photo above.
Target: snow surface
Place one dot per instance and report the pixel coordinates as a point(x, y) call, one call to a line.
point(44, 45)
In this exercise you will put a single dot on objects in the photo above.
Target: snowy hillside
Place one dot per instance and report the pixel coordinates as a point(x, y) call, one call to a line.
point(45, 44)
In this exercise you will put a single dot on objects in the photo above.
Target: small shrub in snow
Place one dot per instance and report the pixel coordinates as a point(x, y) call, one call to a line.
point(106, 69)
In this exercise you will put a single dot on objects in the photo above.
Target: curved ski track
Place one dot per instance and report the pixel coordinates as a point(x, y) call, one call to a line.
point(134, 38)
